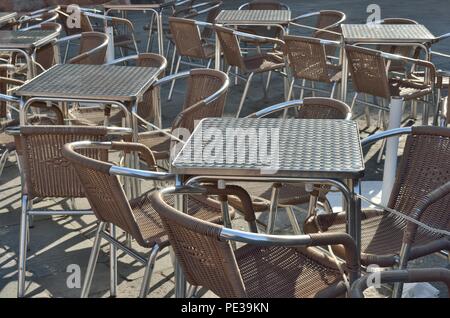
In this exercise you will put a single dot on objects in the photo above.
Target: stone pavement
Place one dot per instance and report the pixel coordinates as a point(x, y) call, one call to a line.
point(59, 242)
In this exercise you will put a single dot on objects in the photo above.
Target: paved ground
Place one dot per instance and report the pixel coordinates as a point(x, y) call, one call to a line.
point(57, 242)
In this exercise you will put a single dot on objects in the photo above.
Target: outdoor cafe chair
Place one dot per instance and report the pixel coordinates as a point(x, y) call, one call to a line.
point(306, 60)
point(412, 275)
point(92, 49)
point(265, 266)
point(421, 192)
point(205, 96)
point(136, 216)
point(249, 65)
point(268, 197)
point(147, 109)
point(189, 45)
point(46, 174)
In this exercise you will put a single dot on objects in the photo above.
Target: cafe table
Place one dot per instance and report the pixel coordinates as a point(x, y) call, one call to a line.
point(414, 35)
point(25, 43)
point(323, 151)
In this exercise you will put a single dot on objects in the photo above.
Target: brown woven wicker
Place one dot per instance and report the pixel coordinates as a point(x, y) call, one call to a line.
point(89, 41)
point(45, 55)
point(201, 83)
point(187, 38)
point(417, 175)
point(250, 271)
point(307, 59)
point(257, 63)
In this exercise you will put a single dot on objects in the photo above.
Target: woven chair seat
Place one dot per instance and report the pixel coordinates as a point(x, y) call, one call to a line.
point(158, 143)
point(150, 224)
point(263, 63)
point(288, 272)
point(381, 235)
point(408, 89)
point(94, 116)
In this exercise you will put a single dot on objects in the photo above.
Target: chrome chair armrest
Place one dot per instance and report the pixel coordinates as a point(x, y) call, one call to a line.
point(385, 134)
point(257, 37)
point(123, 59)
point(68, 38)
point(275, 108)
point(8, 98)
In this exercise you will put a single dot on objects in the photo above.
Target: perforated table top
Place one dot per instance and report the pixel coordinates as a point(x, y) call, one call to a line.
point(302, 148)
point(25, 39)
point(110, 82)
point(253, 17)
point(367, 33)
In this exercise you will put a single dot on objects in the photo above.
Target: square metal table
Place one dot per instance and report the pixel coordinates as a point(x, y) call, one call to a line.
point(386, 34)
point(7, 16)
point(25, 43)
point(276, 150)
point(275, 18)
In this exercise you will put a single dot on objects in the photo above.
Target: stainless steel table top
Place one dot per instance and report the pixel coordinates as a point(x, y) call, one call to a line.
point(302, 148)
point(7, 16)
point(253, 17)
point(96, 82)
point(26, 39)
point(397, 33)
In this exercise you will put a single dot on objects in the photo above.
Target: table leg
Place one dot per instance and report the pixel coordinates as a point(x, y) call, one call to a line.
point(217, 51)
point(110, 55)
point(180, 280)
point(344, 80)
point(113, 263)
point(390, 162)
point(354, 218)
point(160, 33)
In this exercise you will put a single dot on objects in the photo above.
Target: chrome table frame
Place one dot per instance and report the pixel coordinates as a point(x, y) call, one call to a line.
point(348, 183)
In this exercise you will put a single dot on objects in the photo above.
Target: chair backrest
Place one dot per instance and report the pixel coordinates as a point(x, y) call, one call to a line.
point(273, 32)
point(187, 38)
point(202, 83)
point(425, 166)
point(208, 31)
point(46, 172)
point(230, 46)
point(45, 55)
point(329, 17)
point(103, 191)
point(88, 42)
point(323, 108)
point(306, 58)
point(368, 70)
point(205, 259)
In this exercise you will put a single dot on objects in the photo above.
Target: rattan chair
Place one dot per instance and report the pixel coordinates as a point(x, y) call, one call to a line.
point(306, 60)
point(186, 36)
point(46, 174)
point(148, 108)
point(266, 266)
point(415, 275)
point(92, 49)
point(421, 192)
point(268, 197)
point(137, 216)
point(248, 65)
point(205, 96)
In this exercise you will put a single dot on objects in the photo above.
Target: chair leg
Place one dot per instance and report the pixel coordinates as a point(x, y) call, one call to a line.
point(273, 208)
point(293, 220)
point(269, 76)
point(173, 82)
point(148, 272)
point(244, 94)
point(23, 247)
point(92, 261)
point(113, 263)
point(172, 63)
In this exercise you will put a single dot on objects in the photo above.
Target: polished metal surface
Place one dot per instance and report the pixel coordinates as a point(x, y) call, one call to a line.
point(271, 146)
point(368, 33)
point(120, 83)
point(25, 39)
point(253, 17)
point(7, 16)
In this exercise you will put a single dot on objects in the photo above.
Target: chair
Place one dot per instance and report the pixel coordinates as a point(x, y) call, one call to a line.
point(306, 59)
point(266, 266)
point(327, 25)
point(270, 197)
point(206, 92)
point(92, 50)
point(421, 192)
point(136, 216)
point(186, 36)
point(147, 109)
point(248, 65)
point(415, 275)
point(48, 175)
